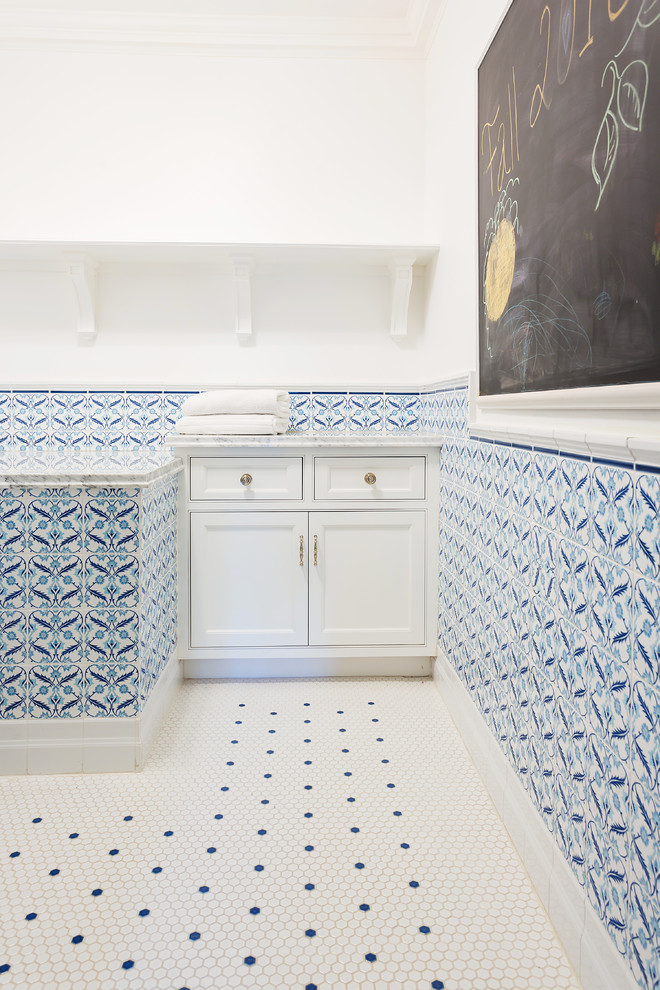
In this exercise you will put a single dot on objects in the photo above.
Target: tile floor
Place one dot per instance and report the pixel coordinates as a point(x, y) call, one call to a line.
point(305, 833)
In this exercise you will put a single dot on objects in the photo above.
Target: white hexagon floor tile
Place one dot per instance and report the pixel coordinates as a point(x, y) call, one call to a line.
point(299, 833)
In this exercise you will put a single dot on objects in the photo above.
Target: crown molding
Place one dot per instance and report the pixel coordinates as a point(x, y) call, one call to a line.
point(110, 31)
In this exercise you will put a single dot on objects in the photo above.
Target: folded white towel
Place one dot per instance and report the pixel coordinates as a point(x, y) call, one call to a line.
point(238, 402)
point(249, 425)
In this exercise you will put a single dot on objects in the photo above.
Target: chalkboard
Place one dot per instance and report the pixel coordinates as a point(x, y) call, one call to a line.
point(569, 196)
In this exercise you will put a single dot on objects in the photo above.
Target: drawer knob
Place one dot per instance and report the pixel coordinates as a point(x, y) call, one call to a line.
point(370, 478)
point(246, 479)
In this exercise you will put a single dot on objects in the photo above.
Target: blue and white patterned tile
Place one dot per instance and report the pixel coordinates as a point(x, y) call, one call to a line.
point(609, 794)
point(144, 419)
point(522, 481)
point(55, 636)
point(609, 697)
point(646, 648)
point(54, 522)
point(484, 531)
point(613, 515)
point(13, 691)
point(55, 692)
point(501, 521)
point(520, 615)
point(402, 413)
point(572, 749)
point(6, 431)
point(112, 524)
point(645, 749)
point(13, 523)
point(574, 584)
point(611, 608)
point(365, 412)
point(31, 419)
point(172, 402)
point(111, 690)
point(544, 502)
point(107, 419)
point(329, 411)
point(13, 638)
point(112, 581)
point(644, 939)
point(69, 419)
point(545, 642)
point(572, 661)
point(54, 580)
point(520, 545)
point(543, 568)
point(300, 412)
point(570, 827)
point(574, 499)
point(647, 525)
point(542, 777)
point(645, 842)
point(502, 474)
point(13, 585)
point(607, 885)
point(485, 456)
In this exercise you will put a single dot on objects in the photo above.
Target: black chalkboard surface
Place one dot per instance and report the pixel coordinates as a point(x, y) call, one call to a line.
point(569, 196)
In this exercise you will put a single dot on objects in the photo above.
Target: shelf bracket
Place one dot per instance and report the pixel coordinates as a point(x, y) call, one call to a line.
point(401, 272)
point(82, 271)
point(242, 276)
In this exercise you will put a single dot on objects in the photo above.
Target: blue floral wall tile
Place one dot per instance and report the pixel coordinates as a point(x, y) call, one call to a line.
point(172, 402)
point(644, 942)
point(107, 419)
point(54, 522)
point(54, 580)
point(501, 520)
point(13, 630)
point(112, 524)
point(329, 411)
point(646, 735)
point(609, 794)
point(645, 843)
point(13, 525)
point(300, 411)
point(6, 433)
point(574, 499)
point(12, 581)
point(572, 663)
point(31, 419)
point(572, 749)
point(647, 525)
point(402, 413)
point(111, 690)
point(13, 691)
point(646, 647)
point(570, 827)
point(522, 481)
point(144, 419)
point(484, 457)
point(112, 581)
point(607, 885)
point(54, 692)
point(520, 545)
point(502, 474)
point(609, 693)
point(69, 419)
point(611, 608)
point(612, 511)
point(55, 636)
point(521, 613)
point(544, 564)
point(573, 583)
point(544, 637)
point(365, 412)
point(544, 503)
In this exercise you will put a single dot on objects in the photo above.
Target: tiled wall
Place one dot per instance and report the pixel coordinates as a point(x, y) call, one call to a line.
point(87, 598)
point(144, 419)
point(550, 614)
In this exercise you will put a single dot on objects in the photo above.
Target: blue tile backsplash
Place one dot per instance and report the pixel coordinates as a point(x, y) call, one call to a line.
point(550, 614)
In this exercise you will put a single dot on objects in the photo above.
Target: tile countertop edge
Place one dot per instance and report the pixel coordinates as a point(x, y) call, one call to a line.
point(308, 440)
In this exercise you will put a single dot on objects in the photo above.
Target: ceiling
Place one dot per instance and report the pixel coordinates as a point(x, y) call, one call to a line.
point(361, 28)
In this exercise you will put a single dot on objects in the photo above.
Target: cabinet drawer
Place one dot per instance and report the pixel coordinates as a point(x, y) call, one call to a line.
point(219, 478)
point(369, 478)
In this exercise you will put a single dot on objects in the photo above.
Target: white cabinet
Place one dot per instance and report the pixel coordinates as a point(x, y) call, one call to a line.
point(304, 554)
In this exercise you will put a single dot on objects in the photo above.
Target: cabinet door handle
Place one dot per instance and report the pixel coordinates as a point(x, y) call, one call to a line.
point(316, 550)
point(302, 551)
point(370, 478)
point(246, 479)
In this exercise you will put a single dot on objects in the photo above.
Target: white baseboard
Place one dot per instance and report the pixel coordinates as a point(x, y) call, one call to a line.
point(87, 745)
point(309, 667)
point(586, 942)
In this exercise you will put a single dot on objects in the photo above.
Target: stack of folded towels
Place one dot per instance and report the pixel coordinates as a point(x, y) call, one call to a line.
point(241, 412)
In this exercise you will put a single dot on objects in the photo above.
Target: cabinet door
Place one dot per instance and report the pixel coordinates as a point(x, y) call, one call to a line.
point(367, 586)
point(247, 585)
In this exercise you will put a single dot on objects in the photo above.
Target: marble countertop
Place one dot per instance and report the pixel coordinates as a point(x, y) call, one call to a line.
point(97, 466)
point(336, 439)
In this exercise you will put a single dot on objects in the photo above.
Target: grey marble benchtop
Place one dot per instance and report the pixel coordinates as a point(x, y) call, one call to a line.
point(92, 467)
point(337, 439)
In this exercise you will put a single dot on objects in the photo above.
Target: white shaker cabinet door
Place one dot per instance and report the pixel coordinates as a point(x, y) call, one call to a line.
point(366, 578)
point(247, 584)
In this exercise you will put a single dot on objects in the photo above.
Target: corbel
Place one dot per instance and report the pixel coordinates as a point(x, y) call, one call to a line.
point(401, 273)
point(242, 278)
point(82, 270)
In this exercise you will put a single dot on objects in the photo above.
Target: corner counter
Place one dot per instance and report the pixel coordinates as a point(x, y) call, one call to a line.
point(88, 606)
